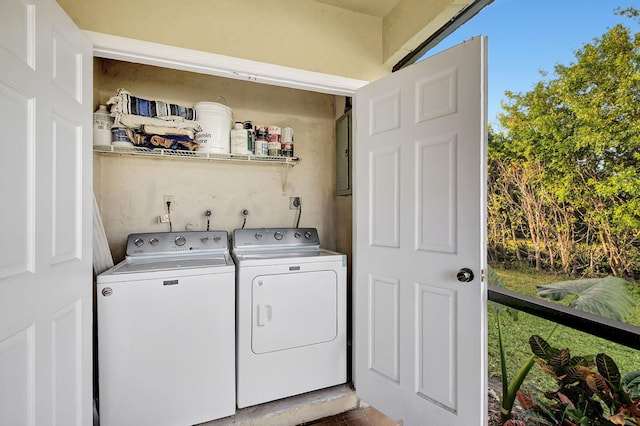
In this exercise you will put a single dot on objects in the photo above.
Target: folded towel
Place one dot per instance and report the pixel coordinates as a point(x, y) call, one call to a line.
point(171, 143)
point(155, 124)
point(137, 121)
point(166, 130)
point(125, 103)
point(158, 141)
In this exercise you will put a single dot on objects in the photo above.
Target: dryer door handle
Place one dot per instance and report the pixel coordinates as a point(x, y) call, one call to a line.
point(264, 315)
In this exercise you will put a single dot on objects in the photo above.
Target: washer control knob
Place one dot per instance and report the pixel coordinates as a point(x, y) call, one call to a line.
point(217, 238)
point(297, 234)
point(153, 241)
point(278, 235)
point(138, 242)
point(204, 239)
point(180, 240)
point(307, 235)
point(258, 235)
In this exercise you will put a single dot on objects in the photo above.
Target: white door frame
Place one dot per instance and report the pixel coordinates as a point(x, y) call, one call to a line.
point(161, 55)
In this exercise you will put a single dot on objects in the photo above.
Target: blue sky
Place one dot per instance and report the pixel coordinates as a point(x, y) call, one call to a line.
point(526, 36)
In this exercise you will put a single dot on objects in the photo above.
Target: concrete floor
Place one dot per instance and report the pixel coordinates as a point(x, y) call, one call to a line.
point(337, 405)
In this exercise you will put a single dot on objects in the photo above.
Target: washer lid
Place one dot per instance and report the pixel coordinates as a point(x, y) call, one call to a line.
point(168, 264)
point(315, 255)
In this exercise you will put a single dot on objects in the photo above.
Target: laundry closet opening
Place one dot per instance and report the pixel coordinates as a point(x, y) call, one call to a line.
point(130, 190)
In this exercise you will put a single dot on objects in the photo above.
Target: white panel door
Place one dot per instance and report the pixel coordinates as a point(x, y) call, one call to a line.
point(420, 154)
point(45, 184)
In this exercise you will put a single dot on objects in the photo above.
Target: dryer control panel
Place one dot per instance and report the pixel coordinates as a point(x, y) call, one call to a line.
point(267, 239)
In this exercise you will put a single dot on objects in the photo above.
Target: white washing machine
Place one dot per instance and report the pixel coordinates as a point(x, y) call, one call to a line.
point(291, 314)
point(166, 331)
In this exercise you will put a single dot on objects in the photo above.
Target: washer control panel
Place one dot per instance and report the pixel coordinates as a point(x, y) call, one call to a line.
point(176, 243)
point(275, 239)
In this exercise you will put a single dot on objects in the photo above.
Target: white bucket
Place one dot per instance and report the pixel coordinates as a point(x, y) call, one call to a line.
point(215, 121)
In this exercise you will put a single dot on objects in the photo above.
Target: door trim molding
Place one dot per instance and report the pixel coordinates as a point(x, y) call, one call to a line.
point(161, 55)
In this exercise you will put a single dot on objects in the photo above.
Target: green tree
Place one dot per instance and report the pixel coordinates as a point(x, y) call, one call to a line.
point(568, 156)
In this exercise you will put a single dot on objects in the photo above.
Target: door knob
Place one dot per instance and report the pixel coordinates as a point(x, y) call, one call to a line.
point(465, 275)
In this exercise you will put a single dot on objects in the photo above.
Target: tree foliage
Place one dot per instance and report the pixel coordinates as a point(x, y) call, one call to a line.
point(564, 169)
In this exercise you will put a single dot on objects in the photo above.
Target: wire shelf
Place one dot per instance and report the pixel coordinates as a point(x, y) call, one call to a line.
point(194, 155)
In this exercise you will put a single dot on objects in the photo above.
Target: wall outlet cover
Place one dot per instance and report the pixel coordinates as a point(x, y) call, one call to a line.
point(294, 203)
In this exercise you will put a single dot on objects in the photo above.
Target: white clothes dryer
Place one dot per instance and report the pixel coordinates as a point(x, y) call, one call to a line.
point(166, 331)
point(291, 314)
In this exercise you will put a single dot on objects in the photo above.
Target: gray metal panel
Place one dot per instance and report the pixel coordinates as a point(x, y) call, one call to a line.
point(343, 154)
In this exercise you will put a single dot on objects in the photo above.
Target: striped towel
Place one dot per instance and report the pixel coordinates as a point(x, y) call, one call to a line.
point(125, 103)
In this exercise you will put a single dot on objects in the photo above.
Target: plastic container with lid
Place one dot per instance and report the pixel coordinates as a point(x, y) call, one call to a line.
point(215, 122)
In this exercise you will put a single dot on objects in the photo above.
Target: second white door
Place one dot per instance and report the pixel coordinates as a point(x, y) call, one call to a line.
point(419, 200)
point(45, 188)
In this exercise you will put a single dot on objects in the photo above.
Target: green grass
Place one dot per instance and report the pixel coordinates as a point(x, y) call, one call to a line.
point(516, 334)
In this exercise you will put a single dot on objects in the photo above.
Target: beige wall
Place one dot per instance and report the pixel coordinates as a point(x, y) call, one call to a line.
point(297, 33)
point(301, 34)
point(130, 189)
point(413, 21)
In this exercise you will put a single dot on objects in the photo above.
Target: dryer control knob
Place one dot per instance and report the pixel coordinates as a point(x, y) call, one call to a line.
point(153, 241)
point(138, 242)
point(217, 238)
point(278, 235)
point(204, 239)
point(258, 235)
point(307, 235)
point(297, 235)
point(180, 240)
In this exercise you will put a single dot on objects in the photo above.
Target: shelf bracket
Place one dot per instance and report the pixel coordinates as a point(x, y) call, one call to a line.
point(284, 178)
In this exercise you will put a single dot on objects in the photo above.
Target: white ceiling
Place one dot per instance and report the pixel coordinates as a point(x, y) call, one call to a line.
point(378, 8)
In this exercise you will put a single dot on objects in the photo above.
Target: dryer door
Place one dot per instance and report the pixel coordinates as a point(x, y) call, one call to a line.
point(293, 310)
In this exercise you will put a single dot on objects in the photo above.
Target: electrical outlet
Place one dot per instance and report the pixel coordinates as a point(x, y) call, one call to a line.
point(168, 198)
point(294, 203)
